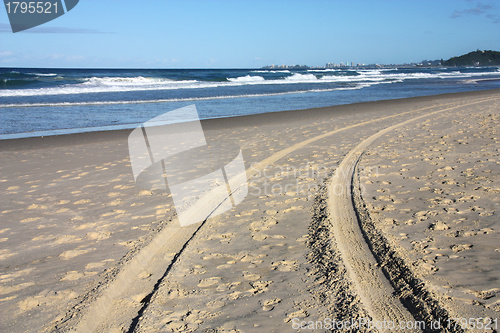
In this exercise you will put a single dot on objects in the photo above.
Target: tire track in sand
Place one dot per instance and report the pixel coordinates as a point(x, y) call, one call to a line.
point(375, 291)
point(125, 297)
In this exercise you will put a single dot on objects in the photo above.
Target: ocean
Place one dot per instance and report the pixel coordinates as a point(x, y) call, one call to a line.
point(42, 102)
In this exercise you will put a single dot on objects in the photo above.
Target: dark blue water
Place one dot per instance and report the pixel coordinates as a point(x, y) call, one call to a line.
point(50, 101)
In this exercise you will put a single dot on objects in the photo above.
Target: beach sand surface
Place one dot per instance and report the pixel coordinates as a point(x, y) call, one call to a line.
point(433, 191)
point(85, 247)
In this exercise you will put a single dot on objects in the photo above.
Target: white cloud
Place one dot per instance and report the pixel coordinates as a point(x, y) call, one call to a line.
point(6, 53)
point(481, 9)
point(4, 27)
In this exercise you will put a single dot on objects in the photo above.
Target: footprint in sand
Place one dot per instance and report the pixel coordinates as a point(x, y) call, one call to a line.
point(81, 202)
point(487, 294)
point(144, 193)
point(293, 208)
point(439, 226)
point(84, 226)
point(210, 282)
point(35, 206)
point(250, 276)
point(223, 238)
point(197, 270)
point(70, 254)
point(65, 239)
point(259, 236)
point(262, 224)
point(269, 304)
point(460, 247)
point(15, 288)
point(72, 276)
point(228, 286)
point(161, 210)
point(94, 265)
point(98, 235)
point(246, 213)
point(216, 304)
point(296, 314)
point(285, 265)
point(5, 253)
point(115, 202)
point(30, 219)
point(45, 298)
point(247, 257)
point(260, 286)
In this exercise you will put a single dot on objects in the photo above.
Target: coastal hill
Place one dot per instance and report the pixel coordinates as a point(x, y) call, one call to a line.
point(476, 58)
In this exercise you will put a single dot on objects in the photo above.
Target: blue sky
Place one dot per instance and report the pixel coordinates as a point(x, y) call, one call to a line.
point(251, 33)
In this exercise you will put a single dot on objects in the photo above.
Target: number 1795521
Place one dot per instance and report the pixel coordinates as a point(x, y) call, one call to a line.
point(31, 7)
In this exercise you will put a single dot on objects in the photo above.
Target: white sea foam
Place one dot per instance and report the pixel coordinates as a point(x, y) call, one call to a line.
point(111, 84)
point(246, 79)
point(301, 77)
point(324, 70)
point(124, 84)
point(129, 81)
point(271, 71)
point(66, 131)
point(42, 74)
point(470, 81)
point(169, 100)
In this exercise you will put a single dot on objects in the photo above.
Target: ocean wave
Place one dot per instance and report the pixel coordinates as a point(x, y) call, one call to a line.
point(111, 84)
point(126, 81)
point(324, 70)
point(42, 74)
point(140, 83)
point(270, 71)
point(190, 99)
point(170, 100)
point(246, 79)
point(301, 77)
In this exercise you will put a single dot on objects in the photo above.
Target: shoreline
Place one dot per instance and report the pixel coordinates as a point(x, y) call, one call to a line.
point(292, 113)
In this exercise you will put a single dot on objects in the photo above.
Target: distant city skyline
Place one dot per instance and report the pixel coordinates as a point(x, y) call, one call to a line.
point(352, 64)
point(252, 34)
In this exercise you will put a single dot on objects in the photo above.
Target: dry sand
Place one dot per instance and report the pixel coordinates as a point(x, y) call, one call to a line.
point(82, 247)
point(433, 191)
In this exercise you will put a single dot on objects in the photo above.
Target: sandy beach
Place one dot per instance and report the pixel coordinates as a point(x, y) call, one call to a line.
point(379, 212)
